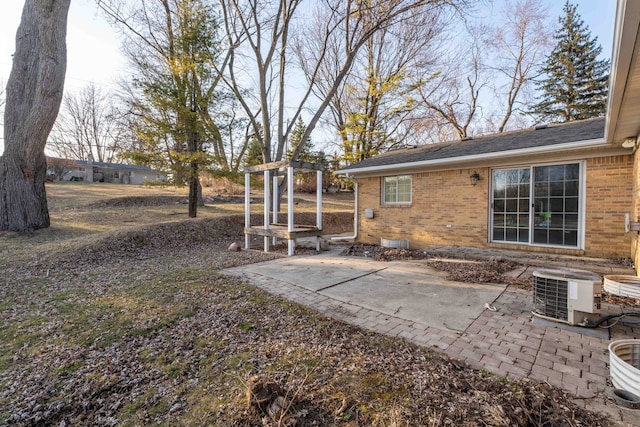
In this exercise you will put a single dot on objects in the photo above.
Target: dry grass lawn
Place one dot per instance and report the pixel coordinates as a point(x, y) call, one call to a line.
point(117, 315)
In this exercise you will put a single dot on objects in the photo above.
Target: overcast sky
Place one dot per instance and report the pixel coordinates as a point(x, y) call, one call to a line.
point(94, 48)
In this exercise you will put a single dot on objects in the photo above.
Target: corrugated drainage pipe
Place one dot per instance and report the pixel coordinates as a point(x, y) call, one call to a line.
point(624, 286)
point(624, 361)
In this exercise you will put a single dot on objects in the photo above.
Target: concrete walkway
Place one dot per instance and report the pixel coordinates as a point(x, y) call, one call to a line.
point(409, 299)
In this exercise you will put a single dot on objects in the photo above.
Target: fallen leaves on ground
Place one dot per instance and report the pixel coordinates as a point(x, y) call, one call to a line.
point(138, 327)
point(620, 300)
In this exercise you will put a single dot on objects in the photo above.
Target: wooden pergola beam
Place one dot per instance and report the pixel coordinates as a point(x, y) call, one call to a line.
point(282, 165)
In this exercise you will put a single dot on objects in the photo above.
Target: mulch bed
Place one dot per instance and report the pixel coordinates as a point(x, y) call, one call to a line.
point(480, 271)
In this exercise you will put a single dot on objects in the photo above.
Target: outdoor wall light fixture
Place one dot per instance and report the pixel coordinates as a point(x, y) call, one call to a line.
point(629, 143)
point(474, 177)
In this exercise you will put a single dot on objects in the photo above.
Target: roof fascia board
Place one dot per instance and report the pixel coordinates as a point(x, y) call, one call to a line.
point(514, 161)
point(624, 40)
point(570, 146)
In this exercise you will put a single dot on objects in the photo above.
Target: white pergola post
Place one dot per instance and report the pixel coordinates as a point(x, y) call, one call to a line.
point(290, 208)
point(267, 203)
point(247, 207)
point(275, 205)
point(318, 206)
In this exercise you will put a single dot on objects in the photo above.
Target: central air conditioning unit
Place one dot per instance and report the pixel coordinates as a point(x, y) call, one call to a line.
point(567, 295)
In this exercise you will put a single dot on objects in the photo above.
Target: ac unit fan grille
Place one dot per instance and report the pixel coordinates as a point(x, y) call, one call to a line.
point(550, 298)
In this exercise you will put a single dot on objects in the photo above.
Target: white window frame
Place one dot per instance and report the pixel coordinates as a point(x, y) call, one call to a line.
point(582, 203)
point(397, 202)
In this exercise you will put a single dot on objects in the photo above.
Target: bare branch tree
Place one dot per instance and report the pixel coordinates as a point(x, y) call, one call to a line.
point(3, 99)
point(88, 127)
point(521, 44)
point(452, 98)
point(258, 34)
point(373, 108)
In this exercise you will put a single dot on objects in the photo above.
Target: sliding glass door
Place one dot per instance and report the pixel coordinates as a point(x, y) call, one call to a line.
point(556, 195)
point(511, 207)
point(539, 205)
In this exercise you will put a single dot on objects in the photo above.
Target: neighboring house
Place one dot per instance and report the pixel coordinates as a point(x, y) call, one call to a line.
point(564, 188)
point(83, 170)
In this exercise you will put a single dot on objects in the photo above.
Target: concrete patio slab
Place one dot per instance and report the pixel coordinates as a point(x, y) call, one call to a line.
point(405, 290)
point(421, 297)
point(315, 273)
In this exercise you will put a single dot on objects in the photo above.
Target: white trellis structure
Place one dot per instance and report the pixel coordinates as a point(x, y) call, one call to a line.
point(271, 230)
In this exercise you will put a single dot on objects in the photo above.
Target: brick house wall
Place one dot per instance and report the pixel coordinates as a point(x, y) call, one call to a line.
point(439, 199)
point(609, 198)
point(447, 210)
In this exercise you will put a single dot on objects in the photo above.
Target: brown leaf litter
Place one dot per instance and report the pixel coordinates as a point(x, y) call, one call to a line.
point(138, 328)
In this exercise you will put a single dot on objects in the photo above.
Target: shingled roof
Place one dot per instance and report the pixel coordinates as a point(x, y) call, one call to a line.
point(541, 136)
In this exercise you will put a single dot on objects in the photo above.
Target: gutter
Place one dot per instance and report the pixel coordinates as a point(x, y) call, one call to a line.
point(591, 143)
point(355, 216)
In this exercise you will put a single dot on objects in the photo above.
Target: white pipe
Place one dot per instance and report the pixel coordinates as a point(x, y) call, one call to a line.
point(275, 205)
point(267, 202)
point(290, 208)
point(355, 219)
point(319, 199)
point(318, 206)
point(247, 207)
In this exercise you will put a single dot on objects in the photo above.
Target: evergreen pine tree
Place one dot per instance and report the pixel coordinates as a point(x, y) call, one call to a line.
point(575, 83)
point(254, 155)
point(296, 139)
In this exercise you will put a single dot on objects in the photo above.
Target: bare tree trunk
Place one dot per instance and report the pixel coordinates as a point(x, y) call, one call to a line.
point(193, 196)
point(194, 182)
point(34, 93)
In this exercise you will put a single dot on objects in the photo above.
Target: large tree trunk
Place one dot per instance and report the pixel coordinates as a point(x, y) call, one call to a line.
point(33, 96)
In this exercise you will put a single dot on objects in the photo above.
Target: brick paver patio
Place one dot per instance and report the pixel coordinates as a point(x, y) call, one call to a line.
point(504, 342)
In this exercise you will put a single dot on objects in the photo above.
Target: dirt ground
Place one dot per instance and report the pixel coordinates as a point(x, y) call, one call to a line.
point(135, 326)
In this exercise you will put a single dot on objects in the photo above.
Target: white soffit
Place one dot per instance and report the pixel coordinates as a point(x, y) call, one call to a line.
point(623, 111)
